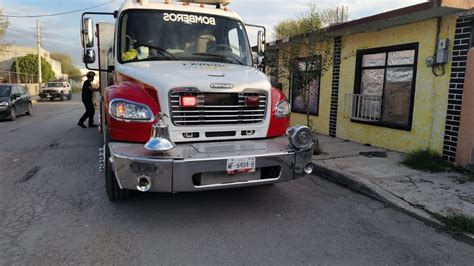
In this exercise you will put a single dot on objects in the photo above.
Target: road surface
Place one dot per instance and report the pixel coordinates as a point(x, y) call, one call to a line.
point(54, 210)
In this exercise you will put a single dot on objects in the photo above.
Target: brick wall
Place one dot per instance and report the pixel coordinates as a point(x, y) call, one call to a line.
point(461, 46)
point(335, 86)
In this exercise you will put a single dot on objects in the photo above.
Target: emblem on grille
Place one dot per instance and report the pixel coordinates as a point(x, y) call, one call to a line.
point(221, 86)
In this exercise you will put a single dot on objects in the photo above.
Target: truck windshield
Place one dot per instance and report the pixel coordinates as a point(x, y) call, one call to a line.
point(5, 91)
point(147, 35)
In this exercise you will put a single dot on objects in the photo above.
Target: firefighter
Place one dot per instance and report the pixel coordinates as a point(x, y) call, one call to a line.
point(87, 95)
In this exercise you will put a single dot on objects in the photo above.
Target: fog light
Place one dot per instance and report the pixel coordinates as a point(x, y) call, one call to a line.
point(308, 169)
point(143, 183)
point(300, 137)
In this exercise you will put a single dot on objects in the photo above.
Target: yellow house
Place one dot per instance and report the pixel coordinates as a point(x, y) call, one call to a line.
point(396, 79)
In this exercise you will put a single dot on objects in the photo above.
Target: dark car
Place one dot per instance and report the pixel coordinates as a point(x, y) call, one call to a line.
point(14, 100)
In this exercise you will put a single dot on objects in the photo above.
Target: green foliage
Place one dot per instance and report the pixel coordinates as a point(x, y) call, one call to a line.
point(3, 24)
point(67, 66)
point(29, 64)
point(426, 160)
point(311, 21)
point(310, 56)
point(459, 223)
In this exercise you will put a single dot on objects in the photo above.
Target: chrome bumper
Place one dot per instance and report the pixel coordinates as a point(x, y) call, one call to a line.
point(182, 169)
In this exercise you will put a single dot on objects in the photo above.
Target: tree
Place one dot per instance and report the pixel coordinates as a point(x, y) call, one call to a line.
point(67, 66)
point(310, 42)
point(310, 21)
point(29, 64)
point(3, 28)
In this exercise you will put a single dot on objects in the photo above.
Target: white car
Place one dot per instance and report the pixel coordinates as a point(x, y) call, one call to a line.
point(56, 89)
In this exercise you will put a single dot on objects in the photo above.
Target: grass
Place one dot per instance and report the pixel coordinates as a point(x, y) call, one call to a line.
point(459, 223)
point(427, 160)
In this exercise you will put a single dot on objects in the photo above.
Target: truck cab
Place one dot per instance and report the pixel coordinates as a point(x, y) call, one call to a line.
point(183, 107)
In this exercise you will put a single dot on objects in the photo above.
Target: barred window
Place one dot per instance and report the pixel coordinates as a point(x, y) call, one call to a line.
point(305, 85)
point(385, 85)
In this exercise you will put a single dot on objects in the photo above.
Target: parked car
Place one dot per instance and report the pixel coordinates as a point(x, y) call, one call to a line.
point(14, 100)
point(55, 90)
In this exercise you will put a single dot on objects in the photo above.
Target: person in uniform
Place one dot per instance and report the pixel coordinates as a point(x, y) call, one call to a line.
point(87, 92)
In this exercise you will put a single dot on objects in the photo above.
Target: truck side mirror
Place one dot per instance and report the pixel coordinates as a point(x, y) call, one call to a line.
point(87, 33)
point(261, 43)
point(89, 56)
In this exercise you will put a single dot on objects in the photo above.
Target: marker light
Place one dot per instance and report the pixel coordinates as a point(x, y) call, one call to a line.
point(188, 101)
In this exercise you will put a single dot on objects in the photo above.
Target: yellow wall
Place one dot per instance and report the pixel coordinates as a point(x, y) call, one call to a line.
point(319, 123)
point(431, 92)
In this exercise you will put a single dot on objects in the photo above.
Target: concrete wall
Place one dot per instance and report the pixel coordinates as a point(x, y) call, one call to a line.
point(466, 129)
point(431, 92)
point(10, 53)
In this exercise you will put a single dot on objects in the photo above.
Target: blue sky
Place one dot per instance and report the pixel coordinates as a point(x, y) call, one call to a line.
point(61, 33)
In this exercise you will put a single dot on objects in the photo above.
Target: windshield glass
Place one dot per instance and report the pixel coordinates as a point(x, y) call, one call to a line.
point(5, 91)
point(55, 84)
point(162, 35)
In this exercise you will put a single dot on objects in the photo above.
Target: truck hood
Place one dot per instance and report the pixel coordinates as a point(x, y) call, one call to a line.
point(4, 99)
point(165, 75)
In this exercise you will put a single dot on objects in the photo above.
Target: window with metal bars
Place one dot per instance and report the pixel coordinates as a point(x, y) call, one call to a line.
point(305, 85)
point(385, 85)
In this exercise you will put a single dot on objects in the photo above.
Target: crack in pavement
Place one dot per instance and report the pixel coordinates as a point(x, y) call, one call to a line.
point(30, 174)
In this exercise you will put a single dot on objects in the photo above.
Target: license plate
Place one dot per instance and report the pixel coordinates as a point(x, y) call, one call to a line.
point(241, 165)
point(48, 96)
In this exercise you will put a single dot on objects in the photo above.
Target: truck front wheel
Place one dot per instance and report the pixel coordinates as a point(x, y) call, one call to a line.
point(114, 193)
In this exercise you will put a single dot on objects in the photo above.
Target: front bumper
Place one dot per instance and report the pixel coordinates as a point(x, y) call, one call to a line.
point(202, 166)
point(49, 95)
point(5, 113)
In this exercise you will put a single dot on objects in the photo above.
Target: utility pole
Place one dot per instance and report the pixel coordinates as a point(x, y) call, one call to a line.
point(38, 38)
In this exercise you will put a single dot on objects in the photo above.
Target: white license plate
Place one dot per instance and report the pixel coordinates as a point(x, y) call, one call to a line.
point(241, 165)
point(48, 96)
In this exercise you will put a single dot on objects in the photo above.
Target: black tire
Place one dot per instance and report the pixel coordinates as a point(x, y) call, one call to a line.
point(13, 113)
point(114, 193)
point(69, 97)
point(30, 109)
point(62, 97)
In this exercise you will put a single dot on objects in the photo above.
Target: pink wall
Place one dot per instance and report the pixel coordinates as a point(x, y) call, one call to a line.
point(466, 129)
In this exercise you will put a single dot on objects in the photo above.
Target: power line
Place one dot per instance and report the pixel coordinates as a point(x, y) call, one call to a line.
point(55, 14)
point(21, 31)
point(19, 36)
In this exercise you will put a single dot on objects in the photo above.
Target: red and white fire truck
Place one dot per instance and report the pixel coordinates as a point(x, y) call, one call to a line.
point(183, 107)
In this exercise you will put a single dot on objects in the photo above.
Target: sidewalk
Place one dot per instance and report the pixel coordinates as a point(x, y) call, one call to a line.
point(378, 173)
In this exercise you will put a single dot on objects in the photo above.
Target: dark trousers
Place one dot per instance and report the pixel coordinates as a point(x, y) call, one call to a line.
point(90, 111)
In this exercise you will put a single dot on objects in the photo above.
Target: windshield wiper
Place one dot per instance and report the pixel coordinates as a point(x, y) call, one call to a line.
point(230, 59)
point(162, 51)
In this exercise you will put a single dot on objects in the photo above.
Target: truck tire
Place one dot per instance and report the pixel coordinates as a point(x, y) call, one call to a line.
point(62, 97)
point(114, 193)
point(69, 97)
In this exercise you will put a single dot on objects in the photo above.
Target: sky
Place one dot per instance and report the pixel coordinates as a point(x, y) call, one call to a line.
point(61, 33)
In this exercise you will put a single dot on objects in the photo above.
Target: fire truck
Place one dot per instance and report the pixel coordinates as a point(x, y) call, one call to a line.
point(183, 106)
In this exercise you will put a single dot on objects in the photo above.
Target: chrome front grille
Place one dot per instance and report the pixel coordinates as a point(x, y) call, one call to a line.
point(218, 109)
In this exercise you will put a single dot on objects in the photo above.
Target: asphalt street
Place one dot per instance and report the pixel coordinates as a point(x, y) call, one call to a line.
point(54, 210)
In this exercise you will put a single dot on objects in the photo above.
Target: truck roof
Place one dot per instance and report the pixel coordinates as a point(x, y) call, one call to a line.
point(174, 6)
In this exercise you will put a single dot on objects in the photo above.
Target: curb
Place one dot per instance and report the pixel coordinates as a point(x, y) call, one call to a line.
point(372, 190)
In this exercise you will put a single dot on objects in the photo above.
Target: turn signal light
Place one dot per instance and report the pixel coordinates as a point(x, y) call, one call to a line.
point(188, 101)
point(121, 110)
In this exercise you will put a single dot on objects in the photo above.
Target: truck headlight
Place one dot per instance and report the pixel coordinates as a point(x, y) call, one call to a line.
point(283, 109)
point(127, 110)
point(4, 104)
